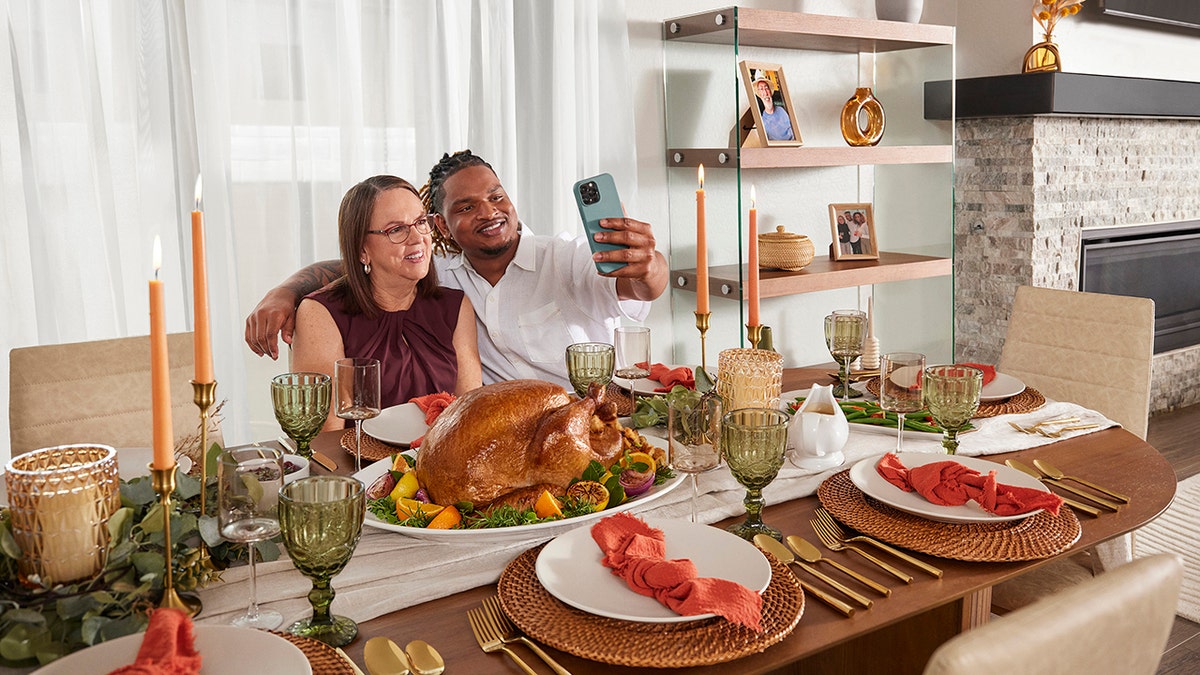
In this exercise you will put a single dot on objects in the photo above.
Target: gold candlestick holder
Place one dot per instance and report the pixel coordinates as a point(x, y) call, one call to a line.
point(204, 394)
point(754, 334)
point(163, 481)
point(702, 326)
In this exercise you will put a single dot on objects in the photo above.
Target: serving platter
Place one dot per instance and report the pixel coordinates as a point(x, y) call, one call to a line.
point(789, 397)
point(866, 478)
point(569, 568)
point(516, 533)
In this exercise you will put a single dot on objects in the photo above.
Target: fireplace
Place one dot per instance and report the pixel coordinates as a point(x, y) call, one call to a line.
point(1149, 261)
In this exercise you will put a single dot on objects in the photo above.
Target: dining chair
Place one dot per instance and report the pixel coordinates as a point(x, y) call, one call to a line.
point(1092, 349)
point(97, 392)
point(1117, 622)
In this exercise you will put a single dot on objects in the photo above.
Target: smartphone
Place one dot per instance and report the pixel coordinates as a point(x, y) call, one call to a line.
point(597, 199)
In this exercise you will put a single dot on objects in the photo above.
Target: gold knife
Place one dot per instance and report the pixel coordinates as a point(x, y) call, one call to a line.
point(1079, 506)
point(828, 599)
point(323, 460)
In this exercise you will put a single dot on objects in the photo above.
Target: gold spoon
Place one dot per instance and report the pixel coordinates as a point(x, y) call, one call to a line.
point(423, 658)
point(785, 556)
point(1054, 473)
point(811, 554)
point(384, 657)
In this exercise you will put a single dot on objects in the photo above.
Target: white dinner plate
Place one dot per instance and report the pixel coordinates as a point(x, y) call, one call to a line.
point(866, 478)
point(644, 386)
point(131, 463)
point(518, 532)
point(789, 397)
point(223, 650)
point(399, 425)
point(569, 568)
point(1002, 387)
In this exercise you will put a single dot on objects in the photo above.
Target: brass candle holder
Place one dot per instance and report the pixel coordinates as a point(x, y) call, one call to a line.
point(204, 394)
point(754, 334)
point(163, 481)
point(702, 326)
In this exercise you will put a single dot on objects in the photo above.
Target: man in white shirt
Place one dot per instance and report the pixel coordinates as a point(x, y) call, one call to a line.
point(533, 295)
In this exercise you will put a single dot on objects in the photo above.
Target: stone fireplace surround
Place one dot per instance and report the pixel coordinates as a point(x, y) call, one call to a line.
point(1027, 185)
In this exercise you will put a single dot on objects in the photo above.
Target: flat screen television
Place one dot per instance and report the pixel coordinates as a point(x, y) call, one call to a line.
point(1183, 13)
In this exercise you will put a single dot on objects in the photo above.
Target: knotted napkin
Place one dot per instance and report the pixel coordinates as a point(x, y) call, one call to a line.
point(669, 377)
point(432, 405)
point(949, 483)
point(168, 647)
point(989, 372)
point(636, 552)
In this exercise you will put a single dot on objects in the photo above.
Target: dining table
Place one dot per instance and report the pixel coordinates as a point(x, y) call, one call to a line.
point(897, 634)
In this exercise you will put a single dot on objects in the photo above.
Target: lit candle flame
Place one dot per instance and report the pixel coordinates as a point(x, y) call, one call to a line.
point(752, 200)
point(157, 255)
point(701, 174)
point(198, 186)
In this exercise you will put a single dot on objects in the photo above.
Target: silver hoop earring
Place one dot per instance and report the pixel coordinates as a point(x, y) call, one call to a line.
point(367, 268)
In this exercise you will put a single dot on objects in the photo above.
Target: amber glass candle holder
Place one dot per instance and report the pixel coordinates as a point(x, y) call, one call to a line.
point(749, 378)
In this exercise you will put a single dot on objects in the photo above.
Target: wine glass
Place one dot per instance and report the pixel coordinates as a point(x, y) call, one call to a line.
point(952, 396)
point(301, 402)
point(632, 345)
point(589, 362)
point(693, 435)
point(248, 482)
point(845, 330)
point(357, 384)
point(900, 375)
point(321, 519)
point(753, 441)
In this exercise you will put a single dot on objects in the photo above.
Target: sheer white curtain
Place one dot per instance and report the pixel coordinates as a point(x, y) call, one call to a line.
point(109, 110)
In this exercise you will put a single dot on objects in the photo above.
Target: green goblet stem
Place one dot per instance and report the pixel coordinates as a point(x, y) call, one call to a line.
point(950, 441)
point(753, 524)
point(321, 597)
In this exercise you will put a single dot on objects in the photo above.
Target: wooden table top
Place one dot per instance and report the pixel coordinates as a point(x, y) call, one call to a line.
point(1113, 457)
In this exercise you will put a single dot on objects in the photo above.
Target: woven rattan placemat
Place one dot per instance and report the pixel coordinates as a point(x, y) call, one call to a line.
point(1027, 401)
point(325, 660)
point(631, 643)
point(1038, 536)
point(373, 449)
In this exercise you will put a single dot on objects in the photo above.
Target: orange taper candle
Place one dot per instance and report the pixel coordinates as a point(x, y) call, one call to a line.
point(701, 250)
point(203, 333)
point(752, 276)
point(160, 371)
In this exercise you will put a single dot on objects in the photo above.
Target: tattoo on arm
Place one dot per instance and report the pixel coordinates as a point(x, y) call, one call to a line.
point(313, 278)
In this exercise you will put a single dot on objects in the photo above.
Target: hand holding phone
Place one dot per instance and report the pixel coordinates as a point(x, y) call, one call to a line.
point(597, 199)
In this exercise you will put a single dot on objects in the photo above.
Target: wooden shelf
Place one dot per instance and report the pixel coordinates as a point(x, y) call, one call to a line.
point(799, 157)
point(823, 274)
point(789, 30)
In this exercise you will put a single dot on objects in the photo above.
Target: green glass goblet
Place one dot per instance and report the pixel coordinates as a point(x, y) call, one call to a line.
point(301, 402)
point(845, 334)
point(589, 362)
point(753, 441)
point(952, 396)
point(321, 520)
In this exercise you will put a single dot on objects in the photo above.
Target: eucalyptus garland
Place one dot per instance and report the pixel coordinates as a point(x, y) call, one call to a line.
point(39, 625)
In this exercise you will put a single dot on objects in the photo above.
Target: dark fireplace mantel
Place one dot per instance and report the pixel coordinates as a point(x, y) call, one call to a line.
point(1073, 94)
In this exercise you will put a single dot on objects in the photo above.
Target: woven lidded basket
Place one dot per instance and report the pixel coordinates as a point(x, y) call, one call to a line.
point(784, 250)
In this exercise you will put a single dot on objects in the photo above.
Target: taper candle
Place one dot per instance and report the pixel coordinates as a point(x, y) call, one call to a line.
point(160, 371)
point(752, 264)
point(203, 332)
point(701, 249)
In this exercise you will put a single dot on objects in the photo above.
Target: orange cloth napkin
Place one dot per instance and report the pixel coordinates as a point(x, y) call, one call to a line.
point(669, 377)
point(432, 405)
point(168, 647)
point(949, 483)
point(636, 552)
point(989, 372)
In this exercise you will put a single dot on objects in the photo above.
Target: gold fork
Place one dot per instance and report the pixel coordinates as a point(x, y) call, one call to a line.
point(489, 641)
point(1062, 430)
point(836, 528)
point(1037, 428)
point(834, 544)
point(507, 632)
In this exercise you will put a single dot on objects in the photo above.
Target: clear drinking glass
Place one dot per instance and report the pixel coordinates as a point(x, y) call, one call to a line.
point(248, 482)
point(301, 402)
point(357, 384)
point(632, 346)
point(753, 441)
point(952, 396)
point(589, 362)
point(845, 332)
point(900, 375)
point(693, 435)
point(321, 519)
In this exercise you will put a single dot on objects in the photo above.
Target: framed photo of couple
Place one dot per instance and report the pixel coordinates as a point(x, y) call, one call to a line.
point(770, 105)
point(853, 228)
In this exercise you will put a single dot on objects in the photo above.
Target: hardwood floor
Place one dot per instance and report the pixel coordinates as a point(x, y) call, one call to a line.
point(1176, 435)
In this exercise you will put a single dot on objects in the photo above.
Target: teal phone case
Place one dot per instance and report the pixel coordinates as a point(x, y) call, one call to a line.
point(597, 199)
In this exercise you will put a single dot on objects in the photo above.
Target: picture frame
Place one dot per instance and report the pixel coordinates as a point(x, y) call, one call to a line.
point(851, 242)
point(781, 127)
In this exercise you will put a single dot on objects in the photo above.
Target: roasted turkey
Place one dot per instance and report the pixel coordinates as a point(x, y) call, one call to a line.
point(504, 443)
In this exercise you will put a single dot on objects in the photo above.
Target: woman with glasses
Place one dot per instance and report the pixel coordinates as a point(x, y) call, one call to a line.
point(388, 304)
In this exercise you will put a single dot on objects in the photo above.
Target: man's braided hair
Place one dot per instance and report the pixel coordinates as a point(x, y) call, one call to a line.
point(433, 195)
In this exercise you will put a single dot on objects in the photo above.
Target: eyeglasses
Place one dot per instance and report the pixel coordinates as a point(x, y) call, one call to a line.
point(399, 233)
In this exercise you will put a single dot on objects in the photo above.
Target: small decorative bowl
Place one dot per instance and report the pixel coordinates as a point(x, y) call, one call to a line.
point(784, 250)
point(295, 467)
